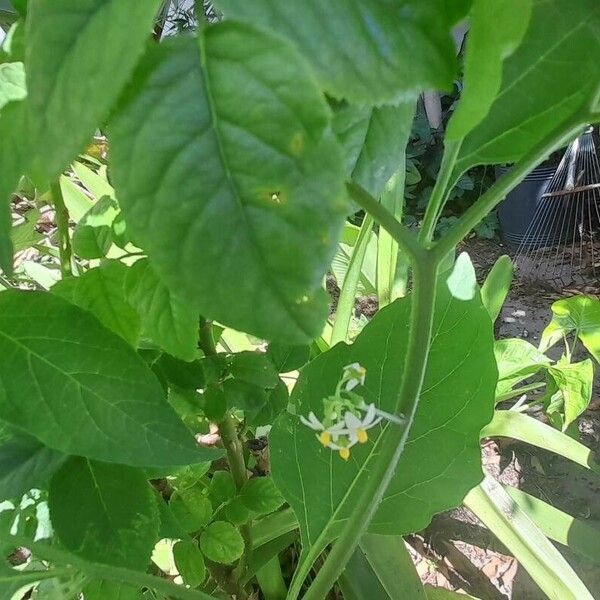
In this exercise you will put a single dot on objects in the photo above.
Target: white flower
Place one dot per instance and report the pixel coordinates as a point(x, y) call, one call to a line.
point(327, 435)
point(357, 428)
point(355, 375)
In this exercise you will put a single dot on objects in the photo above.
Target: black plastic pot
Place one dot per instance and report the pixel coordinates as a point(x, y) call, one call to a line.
point(524, 205)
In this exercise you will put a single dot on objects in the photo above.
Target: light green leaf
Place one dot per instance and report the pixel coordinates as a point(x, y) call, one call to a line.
point(190, 562)
point(222, 487)
point(109, 590)
point(221, 542)
point(321, 487)
point(508, 423)
point(261, 496)
point(438, 593)
point(517, 359)
point(78, 203)
point(101, 291)
point(373, 140)
point(263, 187)
point(104, 513)
point(496, 286)
point(495, 32)
point(80, 389)
point(366, 52)
point(562, 43)
point(575, 382)
point(92, 237)
point(12, 83)
point(25, 463)
point(74, 78)
point(94, 182)
point(166, 318)
point(525, 541)
point(579, 535)
point(578, 314)
point(24, 235)
point(462, 281)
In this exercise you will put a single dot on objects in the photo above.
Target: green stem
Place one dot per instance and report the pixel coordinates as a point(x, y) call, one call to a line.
point(62, 223)
point(271, 582)
point(519, 392)
point(347, 297)
point(488, 201)
point(405, 238)
point(439, 195)
point(394, 436)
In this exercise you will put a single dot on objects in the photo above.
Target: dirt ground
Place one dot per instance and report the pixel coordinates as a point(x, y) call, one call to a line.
point(455, 551)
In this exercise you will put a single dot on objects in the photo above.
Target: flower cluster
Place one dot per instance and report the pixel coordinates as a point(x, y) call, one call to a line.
point(347, 417)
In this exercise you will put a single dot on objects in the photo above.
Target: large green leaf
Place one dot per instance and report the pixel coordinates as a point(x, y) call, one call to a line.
point(579, 315)
point(166, 318)
point(365, 51)
point(548, 81)
point(80, 389)
point(92, 237)
point(456, 403)
point(105, 513)
point(374, 140)
point(101, 291)
point(25, 463)
point(496, 30)
point(80, 53)
point(262, 203)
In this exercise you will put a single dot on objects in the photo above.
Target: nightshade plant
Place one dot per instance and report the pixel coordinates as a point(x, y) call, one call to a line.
point(235, 156)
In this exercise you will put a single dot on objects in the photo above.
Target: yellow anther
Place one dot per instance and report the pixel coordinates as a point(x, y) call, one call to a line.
point(362, 436)
point(345, 453)
point(325, 438)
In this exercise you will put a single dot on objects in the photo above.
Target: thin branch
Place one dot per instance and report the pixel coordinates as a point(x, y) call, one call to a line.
point(62, 222)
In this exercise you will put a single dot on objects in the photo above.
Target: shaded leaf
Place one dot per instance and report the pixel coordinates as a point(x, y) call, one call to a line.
point(92, 237)
point(191, 508)
point(221, 542)
point(263, 186)
point(254, 368)
point(261, 496)
point(190, 562)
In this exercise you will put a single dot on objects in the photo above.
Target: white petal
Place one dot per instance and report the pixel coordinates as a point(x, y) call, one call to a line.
point(312, 422)
point(351, 384)
point(352, 421)
point(354, 366)
point(371, 412)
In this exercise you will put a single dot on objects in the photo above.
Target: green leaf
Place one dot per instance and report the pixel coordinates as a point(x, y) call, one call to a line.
point(190, 563)
point(222, 487)
point(263, 187)
point(579, 535)
point(78, 203)
point(261, 496)
point(288, 357)
point(92, 237)
point(373, 140)
point(495, 32)
point(12, 83)
point(215, 402)
point(101, 291)
point(245, 396)
point(366, 52)
point(81, 389)
point(438, 593)
point(24, 235)
point(74, 78)
point(575, 382)
point(525, 541)
point(562, 43)
point(25, 463)
point(508, 423)
point(95, 183)
point(254, 368)
point(104, 513)
point(462, 281)
point(321, 488)
point(496, 286)
point(359, 581)
point(578, 314)
point(237, 513)
point(109, 590)
point(221, 542)
point(166, 318)
point(275, 404)
point(191, 508)
point(517, 359)
point(186, 375)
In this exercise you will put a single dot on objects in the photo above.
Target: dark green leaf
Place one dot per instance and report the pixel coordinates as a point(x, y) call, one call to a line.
point(222, 487)
point(186, 375)
point(75, 77)
point(367, 52)
point(261, 495)
point(457, 400)
point(81, 389)
point(215, 403)
point(191, 508)
point(245, 396)
point(374, 140)
point(166, 318)
point(25, 463)
point(104, 513)
point(254, 368)
point(275, 404)
point(263, 187)
point(288, 358)
point(561, 44)
point(221, 542)
point(189, 562)
point(110, 590)
point(92, 237)
point(101, 291)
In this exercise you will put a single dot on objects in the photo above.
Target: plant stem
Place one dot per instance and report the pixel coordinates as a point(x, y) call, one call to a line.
point(345, 304)
point(422, 310)
point(271, 582)
point(62, 222)
point(488, 201)
point(405, 238)
point(443, 183)
point(519, 391)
